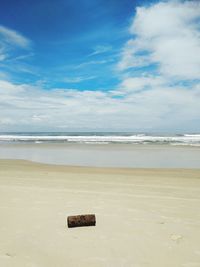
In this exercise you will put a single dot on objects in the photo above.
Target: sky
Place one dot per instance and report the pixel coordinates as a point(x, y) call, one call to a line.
point(100, 65)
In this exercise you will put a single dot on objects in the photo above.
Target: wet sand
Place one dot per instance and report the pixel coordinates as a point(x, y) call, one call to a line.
point(145, 217)
point(106, 155)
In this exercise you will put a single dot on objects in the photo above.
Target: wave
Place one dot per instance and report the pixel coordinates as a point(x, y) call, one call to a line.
point(192, 135)
point(184, 139)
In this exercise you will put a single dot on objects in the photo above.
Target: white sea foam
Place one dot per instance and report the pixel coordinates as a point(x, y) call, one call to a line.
point(192, 135)
point(186, 139)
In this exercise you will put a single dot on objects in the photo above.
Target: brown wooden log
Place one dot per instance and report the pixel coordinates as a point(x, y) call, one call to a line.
point(81, 220)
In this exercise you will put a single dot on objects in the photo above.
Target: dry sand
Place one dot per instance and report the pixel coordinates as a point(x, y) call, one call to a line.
point(145, 217)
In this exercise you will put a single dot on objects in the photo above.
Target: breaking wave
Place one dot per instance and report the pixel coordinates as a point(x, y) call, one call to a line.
point(101, 138)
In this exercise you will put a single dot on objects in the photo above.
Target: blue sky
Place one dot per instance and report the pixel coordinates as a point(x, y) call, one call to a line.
point(98, 65)
point(71, 41)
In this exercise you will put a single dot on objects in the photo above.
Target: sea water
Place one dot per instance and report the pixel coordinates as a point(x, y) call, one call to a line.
point(127, 150)
point(101, 138)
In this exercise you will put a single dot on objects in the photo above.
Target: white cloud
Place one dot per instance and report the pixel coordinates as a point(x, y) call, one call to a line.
point(78, 79)
point(13, 37)
point(3, 54)
point(25, 107)
point(160, 66)
point(21, 57)
point(166, 34)
point(12, 41)
point(92, 62)
point(132, 84)
point(100, 49)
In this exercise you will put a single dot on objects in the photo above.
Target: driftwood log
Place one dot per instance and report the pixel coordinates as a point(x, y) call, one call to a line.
point(81, 220)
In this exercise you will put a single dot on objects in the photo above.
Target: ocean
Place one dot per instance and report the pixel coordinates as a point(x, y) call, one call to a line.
point(102, 138)
point(118, 150)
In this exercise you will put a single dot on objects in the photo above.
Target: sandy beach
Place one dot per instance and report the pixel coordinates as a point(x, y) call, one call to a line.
point(145, 217)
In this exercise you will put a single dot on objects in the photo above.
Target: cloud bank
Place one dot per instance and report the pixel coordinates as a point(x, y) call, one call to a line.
point(162, 108)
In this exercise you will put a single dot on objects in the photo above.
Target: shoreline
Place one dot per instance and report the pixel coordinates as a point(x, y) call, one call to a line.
point(101, 145)
point(112, 155)
point(34, 164)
